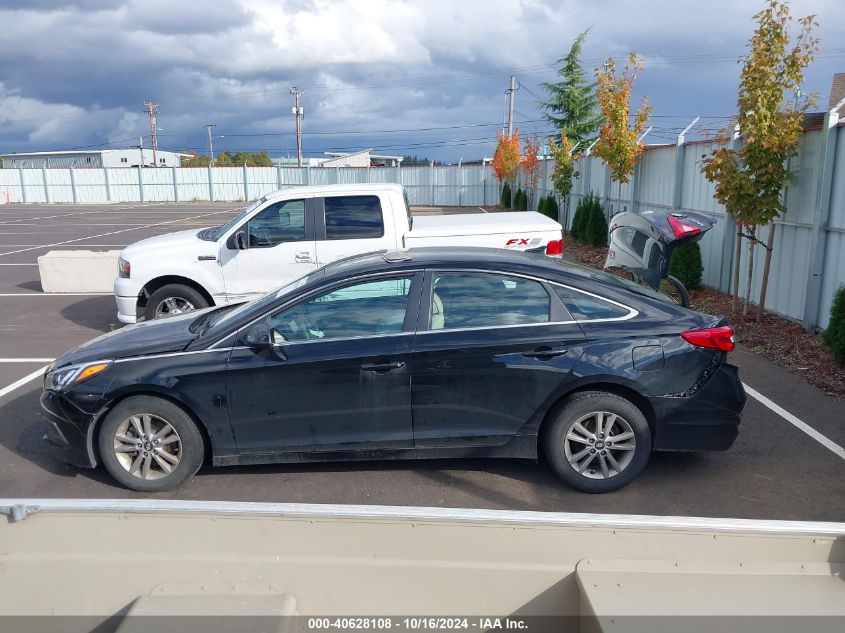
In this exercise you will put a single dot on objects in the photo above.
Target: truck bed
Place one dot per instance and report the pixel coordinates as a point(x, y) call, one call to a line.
point(461, 225)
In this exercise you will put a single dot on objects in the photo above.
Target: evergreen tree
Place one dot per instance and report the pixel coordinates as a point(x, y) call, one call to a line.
point(506, 196)
point(572, 106)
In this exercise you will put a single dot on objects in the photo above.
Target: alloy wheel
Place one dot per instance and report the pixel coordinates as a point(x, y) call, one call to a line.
point(171, 306)
point(600, 445)
point(147, 446)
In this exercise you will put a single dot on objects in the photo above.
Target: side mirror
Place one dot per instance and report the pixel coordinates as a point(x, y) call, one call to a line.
point(259, 339)
point(240, 240)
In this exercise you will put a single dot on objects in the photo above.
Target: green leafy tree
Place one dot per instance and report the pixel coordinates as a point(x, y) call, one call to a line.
point(686, 264)
point(750, 180)
point(834, 335)
point(572, 107)
point(197, 160)
point(564, 172)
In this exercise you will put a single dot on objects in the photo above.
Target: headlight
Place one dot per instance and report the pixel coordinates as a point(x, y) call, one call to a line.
point(61, 379)
point(123, 268)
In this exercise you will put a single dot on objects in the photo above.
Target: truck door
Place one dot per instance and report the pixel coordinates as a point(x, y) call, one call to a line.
point(353, 224)
point(276, 245)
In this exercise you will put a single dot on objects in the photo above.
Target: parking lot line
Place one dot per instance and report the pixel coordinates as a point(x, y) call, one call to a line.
point(20, 383)
point(796, 422)
point(54, 294)
point(27, 360)
point(80, 239)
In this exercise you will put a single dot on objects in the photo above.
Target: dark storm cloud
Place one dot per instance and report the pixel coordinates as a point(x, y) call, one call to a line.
point(77, 72)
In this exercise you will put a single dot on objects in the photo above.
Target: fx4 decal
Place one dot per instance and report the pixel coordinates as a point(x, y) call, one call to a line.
point(520, 243)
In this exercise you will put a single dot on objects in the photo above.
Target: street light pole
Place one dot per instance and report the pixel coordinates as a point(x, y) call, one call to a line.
point(208, 127)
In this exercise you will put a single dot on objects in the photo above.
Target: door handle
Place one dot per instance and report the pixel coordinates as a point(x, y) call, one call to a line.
point(303, 258)
point(545, 353)
point(383, 367)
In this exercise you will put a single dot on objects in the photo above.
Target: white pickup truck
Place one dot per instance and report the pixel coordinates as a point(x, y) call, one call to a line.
point(286, 234)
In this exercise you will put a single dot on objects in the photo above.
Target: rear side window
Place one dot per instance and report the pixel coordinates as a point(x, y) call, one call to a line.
point(584, 307)
point(353, 217)
point(471, 300)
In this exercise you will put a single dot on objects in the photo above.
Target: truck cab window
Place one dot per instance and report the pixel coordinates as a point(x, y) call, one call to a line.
point(278, 223)
point(353, 217)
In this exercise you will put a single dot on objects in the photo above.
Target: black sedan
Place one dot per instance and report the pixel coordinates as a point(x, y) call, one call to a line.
point(411, 354)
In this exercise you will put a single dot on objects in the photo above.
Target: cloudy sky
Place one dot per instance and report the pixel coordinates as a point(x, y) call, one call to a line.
point(414, 77)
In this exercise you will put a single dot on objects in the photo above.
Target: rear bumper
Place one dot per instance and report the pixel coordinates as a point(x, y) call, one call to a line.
point(69, 430)
point(708, 420)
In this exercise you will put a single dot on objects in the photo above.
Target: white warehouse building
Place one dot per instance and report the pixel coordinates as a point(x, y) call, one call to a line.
point(83, 159)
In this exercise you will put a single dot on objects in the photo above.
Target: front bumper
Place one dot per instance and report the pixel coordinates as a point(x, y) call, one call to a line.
point(69, 430)
point(707, 420)
point(126, 295)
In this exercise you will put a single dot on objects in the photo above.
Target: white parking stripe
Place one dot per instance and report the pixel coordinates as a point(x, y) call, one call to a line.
point(55, 294)
point(20, 383)
point(27, 360)
point(797, 423)
point(89, 237)
point(483, 209)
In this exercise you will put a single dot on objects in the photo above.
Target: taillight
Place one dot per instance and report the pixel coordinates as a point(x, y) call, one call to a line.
point(681, 228)
point(720, 338)
point(554, 248)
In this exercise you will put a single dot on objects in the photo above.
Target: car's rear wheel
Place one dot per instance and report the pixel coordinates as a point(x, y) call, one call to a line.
point(598, 442)
point(172, 300)
point(149, 444)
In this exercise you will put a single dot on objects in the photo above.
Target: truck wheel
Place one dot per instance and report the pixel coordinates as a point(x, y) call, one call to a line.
point(149, 444)
point(598, 442)
point(173, 299)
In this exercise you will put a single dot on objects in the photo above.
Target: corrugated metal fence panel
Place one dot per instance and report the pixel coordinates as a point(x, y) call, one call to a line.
point(33, 182)
point(158, 185)
point(58, 180)
point(124, 185)
point(657, 176)
point(10, 186)
point(90, 185)
point(192, 183)
point(261, 181)
point(228, 183)
point(697, 192)
point(417, 183)
point(834, 259)
point(711, 256)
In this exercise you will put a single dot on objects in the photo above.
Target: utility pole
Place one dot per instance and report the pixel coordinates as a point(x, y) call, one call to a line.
point(511, 92)
point(297, 113)
point(152, 111)
point(209, 127)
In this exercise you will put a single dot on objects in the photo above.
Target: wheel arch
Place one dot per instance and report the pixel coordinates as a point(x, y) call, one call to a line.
point(600, 384)
point(94, 429)
point(159, 282)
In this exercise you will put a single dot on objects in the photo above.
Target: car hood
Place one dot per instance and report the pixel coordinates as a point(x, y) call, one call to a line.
point(170, 243)
point(170, 334)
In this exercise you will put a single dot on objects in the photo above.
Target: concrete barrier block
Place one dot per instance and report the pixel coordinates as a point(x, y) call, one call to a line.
point(78, 271)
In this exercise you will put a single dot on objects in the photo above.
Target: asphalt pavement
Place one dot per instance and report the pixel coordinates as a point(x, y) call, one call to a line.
point(778, 468)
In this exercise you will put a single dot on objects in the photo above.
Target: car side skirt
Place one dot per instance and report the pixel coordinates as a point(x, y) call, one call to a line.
point(518, 447)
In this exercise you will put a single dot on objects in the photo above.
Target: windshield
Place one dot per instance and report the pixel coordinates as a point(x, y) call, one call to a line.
point(226, 317)
point(212, 235)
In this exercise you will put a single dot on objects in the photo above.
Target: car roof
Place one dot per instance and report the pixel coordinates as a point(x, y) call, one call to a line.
point(445, 257)
point(316, 190)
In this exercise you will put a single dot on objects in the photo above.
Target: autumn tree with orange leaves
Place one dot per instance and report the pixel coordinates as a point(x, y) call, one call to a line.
point(530, 164)
point(618, 145)
point(506, 158)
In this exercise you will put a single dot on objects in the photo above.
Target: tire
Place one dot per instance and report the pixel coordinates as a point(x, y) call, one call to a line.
point(128, 420)
point(582, 409)
point(181, 299)
point(676, 291)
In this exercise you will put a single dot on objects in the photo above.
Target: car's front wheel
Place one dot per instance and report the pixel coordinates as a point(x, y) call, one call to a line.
point(172, 300)
point(598, 442)
point(149, 444)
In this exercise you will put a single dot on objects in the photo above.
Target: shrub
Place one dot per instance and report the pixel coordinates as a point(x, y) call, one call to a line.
point(595, 229)
point(506, 196)
point(552, 209)
point(579, 219)
point(834, 335)
point(541, 205)
point(686, 264)
point(520, 201)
